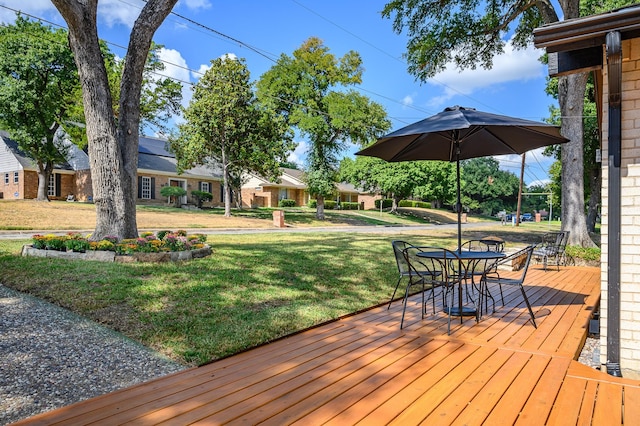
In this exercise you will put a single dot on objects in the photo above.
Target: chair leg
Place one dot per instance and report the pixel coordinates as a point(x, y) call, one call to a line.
point(394, 292)
point(404, 308)
point(526, 300)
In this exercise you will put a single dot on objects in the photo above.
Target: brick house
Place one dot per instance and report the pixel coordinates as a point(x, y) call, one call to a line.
point(260, 192)
point(20, 176)
point(609, 45)
point(156, 168)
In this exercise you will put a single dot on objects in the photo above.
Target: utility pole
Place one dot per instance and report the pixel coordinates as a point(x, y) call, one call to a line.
point(520, 191)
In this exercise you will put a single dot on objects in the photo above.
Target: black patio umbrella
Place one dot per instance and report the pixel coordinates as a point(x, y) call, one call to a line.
point(459, 133)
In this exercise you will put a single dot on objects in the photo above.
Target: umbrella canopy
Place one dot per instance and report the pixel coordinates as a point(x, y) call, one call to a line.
point(459, 133)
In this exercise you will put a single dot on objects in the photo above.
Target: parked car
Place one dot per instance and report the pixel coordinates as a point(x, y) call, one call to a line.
point(526, 217)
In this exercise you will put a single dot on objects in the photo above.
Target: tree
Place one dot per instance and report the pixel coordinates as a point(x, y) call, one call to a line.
point(309, 90)
point(226, 126)
point(173, 191)
point(488, 188)
point(592, 169)
point(432, 180)
point(112, 142)
point(39, 86)
point(458, 31)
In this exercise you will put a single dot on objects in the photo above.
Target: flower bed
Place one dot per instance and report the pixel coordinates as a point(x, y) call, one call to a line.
point(149, 247)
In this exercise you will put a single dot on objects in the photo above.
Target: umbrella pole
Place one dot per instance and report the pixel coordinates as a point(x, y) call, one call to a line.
point(459, 203)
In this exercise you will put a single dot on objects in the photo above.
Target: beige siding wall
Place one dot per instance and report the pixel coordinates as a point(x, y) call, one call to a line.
point(630, 212)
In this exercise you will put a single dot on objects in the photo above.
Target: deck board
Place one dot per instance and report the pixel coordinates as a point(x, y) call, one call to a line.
point(362, 369)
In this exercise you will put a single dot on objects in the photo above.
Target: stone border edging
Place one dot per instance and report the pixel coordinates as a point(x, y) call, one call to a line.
point(110, 256)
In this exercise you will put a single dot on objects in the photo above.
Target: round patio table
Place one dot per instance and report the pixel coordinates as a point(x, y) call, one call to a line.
point(468, 258)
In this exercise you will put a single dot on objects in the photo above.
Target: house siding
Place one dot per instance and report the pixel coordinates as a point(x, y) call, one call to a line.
point(630, 212)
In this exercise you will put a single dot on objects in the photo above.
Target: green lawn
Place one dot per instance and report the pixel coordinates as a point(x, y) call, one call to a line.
point(254, 288)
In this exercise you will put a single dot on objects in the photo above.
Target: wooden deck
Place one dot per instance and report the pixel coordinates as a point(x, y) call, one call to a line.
point(362, 369)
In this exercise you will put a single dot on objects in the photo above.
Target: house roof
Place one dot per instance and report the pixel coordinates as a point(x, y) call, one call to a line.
point(76, 158)
point(154, 155)
point(590, 31)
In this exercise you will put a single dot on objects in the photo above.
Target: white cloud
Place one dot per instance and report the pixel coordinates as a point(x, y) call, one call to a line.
point(176, 68)
point(40, 8)
point(512, 65)
point(299, 154)
point(195, 4)
point(231, 56)
point(115, 12)
point(407, 100)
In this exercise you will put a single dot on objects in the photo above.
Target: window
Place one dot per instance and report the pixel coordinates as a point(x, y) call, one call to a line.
point(283, 194)
point(146, 187)
point(205, 187)
point(16, 177)
point(52, 185)
point(6, 178)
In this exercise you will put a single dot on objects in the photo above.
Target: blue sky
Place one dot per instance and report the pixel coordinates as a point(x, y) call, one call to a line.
point(260, 31)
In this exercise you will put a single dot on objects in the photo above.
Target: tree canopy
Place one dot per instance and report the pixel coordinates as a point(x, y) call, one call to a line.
point(310, 90)
point(486, 188)
point(428, 180)
point(226, 126)
point(469, 34)
point(40, 88)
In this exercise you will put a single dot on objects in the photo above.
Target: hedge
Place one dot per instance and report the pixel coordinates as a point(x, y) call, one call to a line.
point(414, 203)
point(287, 202)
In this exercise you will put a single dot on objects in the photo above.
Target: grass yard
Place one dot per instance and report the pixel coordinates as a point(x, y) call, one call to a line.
point(254, 288)
point(60, 215)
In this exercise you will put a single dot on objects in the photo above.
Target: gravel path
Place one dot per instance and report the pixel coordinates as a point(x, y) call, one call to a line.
point(50, 357)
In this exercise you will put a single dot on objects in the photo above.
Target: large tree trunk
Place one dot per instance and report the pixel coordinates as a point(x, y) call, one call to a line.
point(43, 182)
point(571, 90)
point(595, 181)
point(113, 147)
point(320, 207)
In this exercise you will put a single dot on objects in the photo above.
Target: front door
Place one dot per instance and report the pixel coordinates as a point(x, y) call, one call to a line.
point(181, 184)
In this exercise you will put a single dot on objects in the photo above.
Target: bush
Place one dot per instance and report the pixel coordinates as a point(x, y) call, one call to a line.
point(201, 196)
point(173, 191)
point(386, 203)
point(349, 206)
point(328, 204)
point(414, 203)
point(287, 202)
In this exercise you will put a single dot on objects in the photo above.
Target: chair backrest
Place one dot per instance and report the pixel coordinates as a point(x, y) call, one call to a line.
point(441, 265)
point(520, 261)
point(474, 245)
point(398, 251)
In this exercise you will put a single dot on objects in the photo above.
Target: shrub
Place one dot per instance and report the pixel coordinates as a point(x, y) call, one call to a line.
point(414, 203)
point(201, 196)
point(349, 206)
point(286, 202)
point(386, 203)
point(173, 191)
point(329, 204)
point(312, 204)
